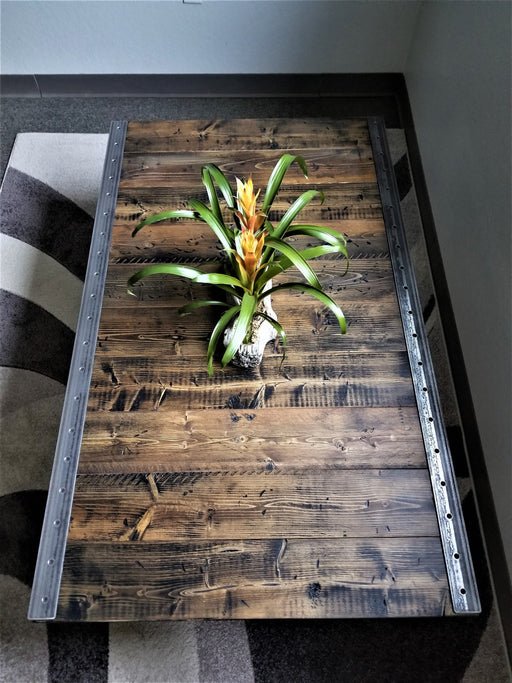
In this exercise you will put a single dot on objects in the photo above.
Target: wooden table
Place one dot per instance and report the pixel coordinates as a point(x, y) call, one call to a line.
point(296, 490)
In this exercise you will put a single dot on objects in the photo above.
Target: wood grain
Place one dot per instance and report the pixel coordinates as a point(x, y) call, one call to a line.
point(275, 579)
point(259, 440)
point(298, 489)
point(243, 504)
point(244, 134)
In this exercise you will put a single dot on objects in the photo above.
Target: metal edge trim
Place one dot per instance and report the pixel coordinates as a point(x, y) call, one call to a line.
point(457, 555)
point(52, 546)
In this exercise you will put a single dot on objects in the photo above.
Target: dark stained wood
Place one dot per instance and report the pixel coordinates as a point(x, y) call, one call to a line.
point(280, 135)
point(260, 440)
point(344, 201)
point(238, 579)
point(166, 169)
point(164, 383)
point(185, 240)
point(298, 489)
point(243, 504)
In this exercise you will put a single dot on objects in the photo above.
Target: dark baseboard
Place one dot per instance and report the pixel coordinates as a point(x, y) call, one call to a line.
point(198, 85)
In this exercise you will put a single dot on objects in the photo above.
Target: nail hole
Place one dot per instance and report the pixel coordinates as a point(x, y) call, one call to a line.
point(462, 591)
point(449, 515)
point(456, 556)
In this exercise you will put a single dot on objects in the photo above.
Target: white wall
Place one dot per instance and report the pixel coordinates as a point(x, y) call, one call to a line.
point(314, 36)
point(459, 81)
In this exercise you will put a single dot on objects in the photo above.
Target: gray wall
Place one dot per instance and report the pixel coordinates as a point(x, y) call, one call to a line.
point(456, 57)
point(458, 76)
point(290, 36)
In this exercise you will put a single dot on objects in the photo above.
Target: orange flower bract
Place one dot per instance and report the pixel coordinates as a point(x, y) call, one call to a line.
point(250, 244)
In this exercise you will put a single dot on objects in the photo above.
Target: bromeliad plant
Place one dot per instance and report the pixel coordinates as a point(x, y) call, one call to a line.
point(255, 252)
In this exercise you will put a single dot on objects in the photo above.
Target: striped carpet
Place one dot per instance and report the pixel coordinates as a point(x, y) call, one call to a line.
point(48, 201)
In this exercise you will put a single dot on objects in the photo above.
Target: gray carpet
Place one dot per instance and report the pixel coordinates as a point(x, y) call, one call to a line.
point(41, 199)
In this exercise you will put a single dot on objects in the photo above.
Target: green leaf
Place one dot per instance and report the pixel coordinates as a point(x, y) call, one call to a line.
point(271, 270)
point(315, 252)
point(279, 265)
point(276, 178)
point(184, 213)
point(321, 232)
point(212, 194)
point(218, 330)
point(163, 269)
point(323, 249)
point(295, 258)
point(223, 184)
point(321, 296)
point(223, 234)
point(294, 210)
point(247, 310)
point(219, 279)
point(194, 305)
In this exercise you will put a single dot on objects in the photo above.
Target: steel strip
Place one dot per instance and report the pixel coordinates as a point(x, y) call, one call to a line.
point(457, 555)
point(52, 546)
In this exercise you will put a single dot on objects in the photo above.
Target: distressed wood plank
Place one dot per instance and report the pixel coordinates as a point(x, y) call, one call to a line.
point(259, 439)
point(190, 241)
point(252, 579)
point(345, 201)
point(243, 504)
point(167, 169)
point(160, 384)
point(243, 134)
point(367, 284)
point(230, 391)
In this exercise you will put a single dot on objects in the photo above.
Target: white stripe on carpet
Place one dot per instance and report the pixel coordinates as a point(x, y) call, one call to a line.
point(29, 437)
point(18, 384)
point(153, 652)
point(70, 163)
point(224, 652)
point(31, 274)
point(23, 644)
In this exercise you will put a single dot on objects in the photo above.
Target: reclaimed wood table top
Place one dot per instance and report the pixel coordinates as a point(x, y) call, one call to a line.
point(293, 490)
